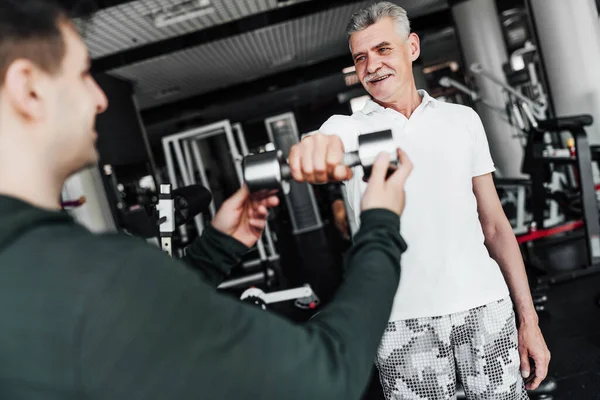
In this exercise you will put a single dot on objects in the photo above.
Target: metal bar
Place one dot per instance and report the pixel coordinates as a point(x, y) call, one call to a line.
point(258, 261)
point(241, 138)
point(289, 294)
point(588, 196)
point(520, 207)
point(188, 161)
point(173, 178)
point(202, 171)
point(254, 278)
point(142, 126)
point(201, 132)
point(478, 69)
point(568, 276)
point(186, 180)
point(235, 154)
point(169, 161)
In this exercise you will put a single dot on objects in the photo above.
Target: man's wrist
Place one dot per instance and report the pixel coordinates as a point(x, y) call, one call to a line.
point(527, 318)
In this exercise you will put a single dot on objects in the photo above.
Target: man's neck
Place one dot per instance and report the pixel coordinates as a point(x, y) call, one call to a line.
point(24, 176)
point(405, 105)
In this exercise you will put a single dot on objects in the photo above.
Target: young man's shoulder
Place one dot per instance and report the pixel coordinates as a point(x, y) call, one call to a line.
point(72, 247)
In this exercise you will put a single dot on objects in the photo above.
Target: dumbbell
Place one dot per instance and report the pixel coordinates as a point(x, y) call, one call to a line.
point(269, 170)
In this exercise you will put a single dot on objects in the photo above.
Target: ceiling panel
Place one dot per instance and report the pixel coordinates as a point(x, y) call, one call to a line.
point(239, 58)
point(127, 26)
point(250, 56)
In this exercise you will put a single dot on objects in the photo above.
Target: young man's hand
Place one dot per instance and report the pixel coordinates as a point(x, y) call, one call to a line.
point(387, 193)
point(244, 216)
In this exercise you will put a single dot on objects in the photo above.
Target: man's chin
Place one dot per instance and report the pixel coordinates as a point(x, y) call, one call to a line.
point(91, 162)
point(381, 96)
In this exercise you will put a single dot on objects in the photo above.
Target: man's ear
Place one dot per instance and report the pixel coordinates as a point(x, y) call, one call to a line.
point(23, 87)
point(414, 46)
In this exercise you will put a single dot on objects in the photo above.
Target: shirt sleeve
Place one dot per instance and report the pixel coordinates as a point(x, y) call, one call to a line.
point(482, 159)
point(214, 254)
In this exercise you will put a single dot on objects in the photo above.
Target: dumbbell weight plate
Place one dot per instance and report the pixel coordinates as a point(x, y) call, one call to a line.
point(369, 147)
point(263, 171)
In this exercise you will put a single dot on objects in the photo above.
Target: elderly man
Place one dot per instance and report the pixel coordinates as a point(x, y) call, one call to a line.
point(463, 275)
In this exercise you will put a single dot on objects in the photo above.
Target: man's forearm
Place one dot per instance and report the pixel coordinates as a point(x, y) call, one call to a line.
point(504, 249)
point(214, 254)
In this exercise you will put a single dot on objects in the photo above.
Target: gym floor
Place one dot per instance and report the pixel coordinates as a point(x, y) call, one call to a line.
point(571, 327)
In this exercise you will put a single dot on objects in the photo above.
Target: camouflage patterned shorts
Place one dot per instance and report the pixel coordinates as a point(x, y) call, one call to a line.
point(422, 358)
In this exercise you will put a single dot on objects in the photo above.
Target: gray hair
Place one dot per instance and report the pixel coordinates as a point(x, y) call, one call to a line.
point(376, 12)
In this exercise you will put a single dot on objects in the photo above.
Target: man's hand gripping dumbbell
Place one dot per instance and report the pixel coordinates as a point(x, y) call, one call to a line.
point(319, 159)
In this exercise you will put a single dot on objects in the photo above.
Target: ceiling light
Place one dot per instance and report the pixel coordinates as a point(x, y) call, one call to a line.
point(285, 59)
point(168, 92)
point(181, 12)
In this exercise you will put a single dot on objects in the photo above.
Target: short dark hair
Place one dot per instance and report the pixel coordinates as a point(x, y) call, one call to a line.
point(30, 29)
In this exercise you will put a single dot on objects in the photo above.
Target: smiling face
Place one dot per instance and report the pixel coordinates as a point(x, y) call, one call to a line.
point(383, 60)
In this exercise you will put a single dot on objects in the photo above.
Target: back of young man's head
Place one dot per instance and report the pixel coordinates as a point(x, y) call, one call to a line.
point(30, 29)
point(46, 91)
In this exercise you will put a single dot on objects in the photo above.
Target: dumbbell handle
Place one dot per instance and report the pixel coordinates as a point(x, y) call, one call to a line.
point(350, 159)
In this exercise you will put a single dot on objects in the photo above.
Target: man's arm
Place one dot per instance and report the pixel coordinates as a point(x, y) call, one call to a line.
point(236, 227)
point(503, 248)
point(214, 254)
point(154, 331)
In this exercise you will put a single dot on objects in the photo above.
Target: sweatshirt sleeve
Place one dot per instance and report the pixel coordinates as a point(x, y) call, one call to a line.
point(154, 332)
point(214, 254)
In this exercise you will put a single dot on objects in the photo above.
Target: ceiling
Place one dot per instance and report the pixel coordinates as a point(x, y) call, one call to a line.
point(241, 41)
point(130, 25)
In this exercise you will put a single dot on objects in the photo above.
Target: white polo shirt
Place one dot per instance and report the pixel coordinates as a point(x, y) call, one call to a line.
point(447, 268)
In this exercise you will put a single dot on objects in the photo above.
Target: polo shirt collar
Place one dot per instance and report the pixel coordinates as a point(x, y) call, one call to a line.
point(371, 106)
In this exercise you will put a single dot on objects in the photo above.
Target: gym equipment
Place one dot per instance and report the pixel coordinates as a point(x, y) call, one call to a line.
point(178, 207)
point(182, 205)
point(571, 251)
point(184, 162)
point(299, 197)
point(304, 297)
point(525, 108)
point(166, 218)
point(269, 170)
point(521, 111)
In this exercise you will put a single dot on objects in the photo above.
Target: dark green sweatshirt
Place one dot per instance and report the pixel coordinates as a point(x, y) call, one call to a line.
point(87, 316)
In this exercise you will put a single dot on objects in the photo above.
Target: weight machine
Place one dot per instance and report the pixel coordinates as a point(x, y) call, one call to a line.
point(184, 160)
point(526, 104)
point(553, 171)
point(167, 209)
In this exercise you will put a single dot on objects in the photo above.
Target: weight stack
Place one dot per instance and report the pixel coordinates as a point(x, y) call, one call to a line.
point(300, 199)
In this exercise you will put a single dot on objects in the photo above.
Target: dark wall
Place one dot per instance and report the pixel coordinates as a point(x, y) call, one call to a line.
point(309, 117)
point(120, 137)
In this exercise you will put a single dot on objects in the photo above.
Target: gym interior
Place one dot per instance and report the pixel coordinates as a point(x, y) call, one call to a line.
point(199, 88)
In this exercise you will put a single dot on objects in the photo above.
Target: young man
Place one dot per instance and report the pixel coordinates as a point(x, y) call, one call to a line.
point(452, 315)
point(110, 317)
